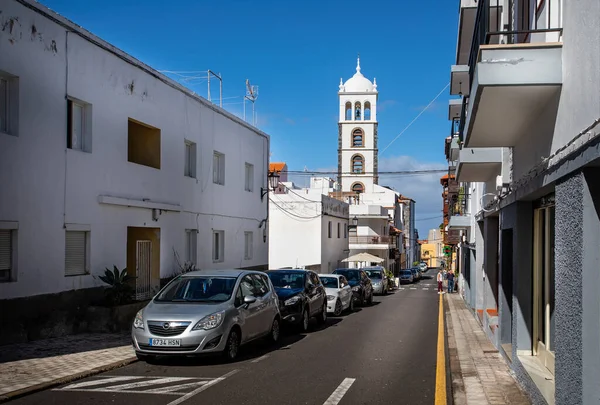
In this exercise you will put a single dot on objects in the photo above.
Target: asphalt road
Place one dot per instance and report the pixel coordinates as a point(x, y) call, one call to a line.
point(382, 354)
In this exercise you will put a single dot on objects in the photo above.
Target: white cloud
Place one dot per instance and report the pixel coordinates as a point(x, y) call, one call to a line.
point(425, 189)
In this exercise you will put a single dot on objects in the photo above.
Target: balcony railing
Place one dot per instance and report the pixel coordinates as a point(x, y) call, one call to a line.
point(459, 204)
point(525, 19)
point(371, 240)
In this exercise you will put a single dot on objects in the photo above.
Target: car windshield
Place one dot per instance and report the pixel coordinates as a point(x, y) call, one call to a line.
point(374, 274)
point(287, 279)
point(198, 289)
point(329, 282)
point(351, 275)
point(406, 273)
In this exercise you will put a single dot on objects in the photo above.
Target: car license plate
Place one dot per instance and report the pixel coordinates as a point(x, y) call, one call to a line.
point(165, 342)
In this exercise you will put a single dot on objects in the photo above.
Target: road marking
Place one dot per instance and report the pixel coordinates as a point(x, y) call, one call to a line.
point(204, 387)
point(106, 380)
point(260, 358)
point(339, 392)
point(413, 288)
point(183, 387)
point(440, 371)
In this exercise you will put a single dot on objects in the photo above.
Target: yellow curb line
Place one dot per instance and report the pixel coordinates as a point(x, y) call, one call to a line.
point(440, 371)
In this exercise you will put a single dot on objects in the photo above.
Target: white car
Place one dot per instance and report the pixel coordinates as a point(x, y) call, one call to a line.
point(339, 293)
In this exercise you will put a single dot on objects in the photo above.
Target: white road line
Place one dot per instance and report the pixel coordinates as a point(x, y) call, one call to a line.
point(260, 358)
point(105, 380)
point(147, 383)
point(204, 387)
point(339, 392)
point(413, 288)
point(177, 388)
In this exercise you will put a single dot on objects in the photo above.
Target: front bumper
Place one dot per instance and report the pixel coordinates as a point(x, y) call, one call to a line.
point(378, 288)
point(291, 313)
point(192, 342)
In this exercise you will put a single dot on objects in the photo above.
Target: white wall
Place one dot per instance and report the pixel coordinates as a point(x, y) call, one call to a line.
point(44, 185)
point(299, 233)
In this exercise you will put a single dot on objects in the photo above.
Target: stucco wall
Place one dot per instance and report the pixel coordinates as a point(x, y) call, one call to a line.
point(45, 185)
point(580, 99)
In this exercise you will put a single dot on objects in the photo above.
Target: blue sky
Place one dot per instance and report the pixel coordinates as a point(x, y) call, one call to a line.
point(296, 53)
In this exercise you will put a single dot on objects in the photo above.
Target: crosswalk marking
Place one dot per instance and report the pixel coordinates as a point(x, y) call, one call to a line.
point(183, 387)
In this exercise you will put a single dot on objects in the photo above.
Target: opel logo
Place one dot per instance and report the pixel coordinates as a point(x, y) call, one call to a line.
point(166, 325)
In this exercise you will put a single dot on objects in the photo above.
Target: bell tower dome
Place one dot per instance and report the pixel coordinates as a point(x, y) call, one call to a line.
point(357, 133)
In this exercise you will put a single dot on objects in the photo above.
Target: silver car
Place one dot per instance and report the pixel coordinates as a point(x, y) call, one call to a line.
point(204, 312)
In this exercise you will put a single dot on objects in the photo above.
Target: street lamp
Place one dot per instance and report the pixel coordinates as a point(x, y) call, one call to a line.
point(273, 179)
point(354, 221)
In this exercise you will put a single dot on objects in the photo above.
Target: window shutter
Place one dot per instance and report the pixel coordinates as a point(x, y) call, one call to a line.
point(5, 250)
point(75, 250)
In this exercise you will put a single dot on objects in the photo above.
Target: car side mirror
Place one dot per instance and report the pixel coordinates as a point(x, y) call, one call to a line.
point(249, 299)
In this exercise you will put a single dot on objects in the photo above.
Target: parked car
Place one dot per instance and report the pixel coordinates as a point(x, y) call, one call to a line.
point(301, 296)
point(362, 287)
point(378, 278)
point(423, 267)
point(339, 293)
point(406, 276)
point(207, 312)
point(416, 273)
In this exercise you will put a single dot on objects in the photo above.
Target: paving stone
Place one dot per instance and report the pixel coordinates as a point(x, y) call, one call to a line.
point(485, 377)
point(26, 365)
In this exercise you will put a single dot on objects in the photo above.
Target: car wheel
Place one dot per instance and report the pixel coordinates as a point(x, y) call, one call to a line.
point(323, 315)
point(338, 308)
point(148, 358)
point(304, 320)
point(275, 331)
point(232, 347)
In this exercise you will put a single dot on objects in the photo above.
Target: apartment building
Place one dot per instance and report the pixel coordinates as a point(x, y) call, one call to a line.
point(307, 228)
point(524, 148)
point(106, 162)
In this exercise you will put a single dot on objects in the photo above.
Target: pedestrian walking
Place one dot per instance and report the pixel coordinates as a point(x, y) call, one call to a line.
point(440, 281)
point(450, 281)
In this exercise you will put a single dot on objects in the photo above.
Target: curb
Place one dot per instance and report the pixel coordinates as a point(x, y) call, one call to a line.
point(59, 381)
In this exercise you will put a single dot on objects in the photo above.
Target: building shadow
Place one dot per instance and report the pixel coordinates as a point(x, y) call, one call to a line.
point(63, 345)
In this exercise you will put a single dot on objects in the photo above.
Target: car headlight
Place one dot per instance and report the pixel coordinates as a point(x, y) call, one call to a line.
point(330, 298)
point(292, 300)
point(377, 284)
point(210, 322)
point(355, 288)
point(138, 321)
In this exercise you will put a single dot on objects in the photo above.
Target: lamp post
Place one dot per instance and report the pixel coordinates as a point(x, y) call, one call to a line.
point(354, 221)
point(273, 182)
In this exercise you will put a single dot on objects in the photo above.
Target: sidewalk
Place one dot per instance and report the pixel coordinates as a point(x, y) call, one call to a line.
point(480, 374)
point(33, 366)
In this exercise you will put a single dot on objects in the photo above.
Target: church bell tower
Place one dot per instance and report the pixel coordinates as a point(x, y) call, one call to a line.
point(357, 134)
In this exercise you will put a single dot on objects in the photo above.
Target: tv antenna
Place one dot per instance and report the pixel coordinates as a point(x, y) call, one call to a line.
point(251, 95)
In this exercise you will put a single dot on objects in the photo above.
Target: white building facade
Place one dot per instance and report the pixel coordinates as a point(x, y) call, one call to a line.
point(307, 228)
point(106, 162)
point(524, 149)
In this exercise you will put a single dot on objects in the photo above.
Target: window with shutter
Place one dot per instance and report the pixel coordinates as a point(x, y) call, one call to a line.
point(5, 254)
point(75, 253)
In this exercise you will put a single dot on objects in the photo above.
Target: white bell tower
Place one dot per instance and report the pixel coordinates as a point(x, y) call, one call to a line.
point(357, 139)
